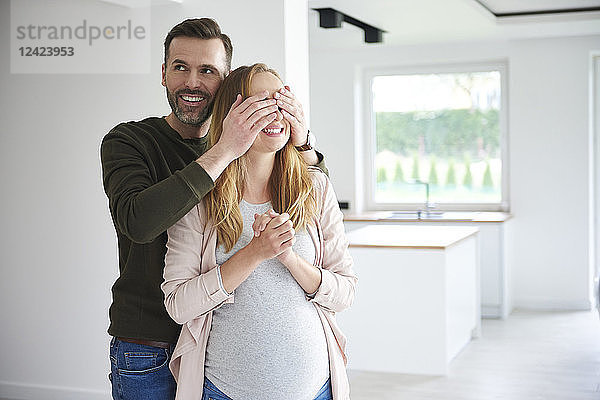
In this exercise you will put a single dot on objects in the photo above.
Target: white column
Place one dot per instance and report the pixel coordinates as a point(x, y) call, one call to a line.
point(296, 50)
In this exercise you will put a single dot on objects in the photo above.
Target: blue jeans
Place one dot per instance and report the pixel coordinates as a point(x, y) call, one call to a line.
point(211, 392)
point(140, 372)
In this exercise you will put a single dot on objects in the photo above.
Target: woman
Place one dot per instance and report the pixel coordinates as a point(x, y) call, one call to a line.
point(258, 312)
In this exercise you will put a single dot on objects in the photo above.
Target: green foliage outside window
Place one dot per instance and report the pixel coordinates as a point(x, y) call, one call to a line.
point(433, 177)
point(488, 183)
point(443, 129)
point(468, 179)
point(399, 173)
point(415, 168)
point(381, 175)
point(451, 174)
point(445, 133)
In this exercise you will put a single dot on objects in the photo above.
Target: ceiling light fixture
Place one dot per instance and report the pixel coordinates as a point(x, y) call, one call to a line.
point(330, 18)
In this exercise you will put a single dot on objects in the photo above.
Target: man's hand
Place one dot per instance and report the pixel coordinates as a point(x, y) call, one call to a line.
point(244, 121)
point(292, 111)
point(242, 124)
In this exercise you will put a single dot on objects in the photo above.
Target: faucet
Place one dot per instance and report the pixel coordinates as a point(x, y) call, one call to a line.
point(428, 205)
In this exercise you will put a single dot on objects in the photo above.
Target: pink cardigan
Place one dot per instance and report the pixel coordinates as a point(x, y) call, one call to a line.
point(192, 288)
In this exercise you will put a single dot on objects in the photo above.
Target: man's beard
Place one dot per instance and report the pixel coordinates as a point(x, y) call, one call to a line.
point(193, 118)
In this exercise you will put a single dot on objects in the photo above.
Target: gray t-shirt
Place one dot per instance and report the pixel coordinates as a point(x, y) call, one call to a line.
point(270, 343)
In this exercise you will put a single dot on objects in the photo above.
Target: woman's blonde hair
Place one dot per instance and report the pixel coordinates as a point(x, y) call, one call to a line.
point(289, 185)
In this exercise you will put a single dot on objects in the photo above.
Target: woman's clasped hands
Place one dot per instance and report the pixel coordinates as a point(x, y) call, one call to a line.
point(274, 235)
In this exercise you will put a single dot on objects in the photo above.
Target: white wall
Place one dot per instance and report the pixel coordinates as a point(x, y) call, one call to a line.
point(58, 245)
point(548, 139)
point(296, 51)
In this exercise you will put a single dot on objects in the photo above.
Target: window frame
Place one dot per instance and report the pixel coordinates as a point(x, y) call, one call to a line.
point(369, 137)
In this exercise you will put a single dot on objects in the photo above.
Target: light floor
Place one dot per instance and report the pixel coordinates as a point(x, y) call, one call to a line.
point(529, 356)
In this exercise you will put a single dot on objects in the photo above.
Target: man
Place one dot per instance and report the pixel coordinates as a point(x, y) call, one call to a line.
point(154, 172)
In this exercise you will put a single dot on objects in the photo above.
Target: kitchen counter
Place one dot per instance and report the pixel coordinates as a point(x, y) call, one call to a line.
point(411, 216)
point(494, 229)
point(417, 301)
point(409, 237)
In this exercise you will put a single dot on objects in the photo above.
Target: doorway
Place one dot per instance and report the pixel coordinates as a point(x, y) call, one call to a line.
point(594, 118)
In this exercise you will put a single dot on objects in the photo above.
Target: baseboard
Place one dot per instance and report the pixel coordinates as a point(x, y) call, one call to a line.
point(491, 312)
point(552, 305)
point(30, 391)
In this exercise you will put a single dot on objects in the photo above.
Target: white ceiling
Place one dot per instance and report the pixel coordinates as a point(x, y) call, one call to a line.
point(140, 3)
point(437, 21)
point(511, 6)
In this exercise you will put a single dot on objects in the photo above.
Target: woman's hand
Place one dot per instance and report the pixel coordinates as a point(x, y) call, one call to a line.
point(259, 225)
point(261, 221)
point(292, 111)
point(307, 275)
point(277, 236)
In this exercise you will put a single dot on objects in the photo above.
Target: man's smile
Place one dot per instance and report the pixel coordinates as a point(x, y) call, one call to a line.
point(191, 99)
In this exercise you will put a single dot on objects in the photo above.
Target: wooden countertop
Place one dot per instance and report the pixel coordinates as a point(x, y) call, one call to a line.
point(409, 236)
point(450, 216)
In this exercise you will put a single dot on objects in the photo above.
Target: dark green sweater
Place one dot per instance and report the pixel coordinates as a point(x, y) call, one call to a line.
point(151, 180)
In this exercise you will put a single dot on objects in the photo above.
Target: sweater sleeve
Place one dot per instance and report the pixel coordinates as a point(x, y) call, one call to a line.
point(338, 281)
point(141, 208)
point(321, 164)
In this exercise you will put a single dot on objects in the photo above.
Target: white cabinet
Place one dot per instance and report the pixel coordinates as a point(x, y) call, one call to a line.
point(495, 272)
point(417, 300)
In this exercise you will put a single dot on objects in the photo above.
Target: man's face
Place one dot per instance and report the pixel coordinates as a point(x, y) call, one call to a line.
point(192, 74)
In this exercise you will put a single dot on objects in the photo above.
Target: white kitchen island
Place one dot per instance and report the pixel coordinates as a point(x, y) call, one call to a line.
point(417, 302)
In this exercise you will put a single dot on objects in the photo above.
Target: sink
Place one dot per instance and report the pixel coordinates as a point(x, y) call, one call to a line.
point(416, 215)
point(431, 215)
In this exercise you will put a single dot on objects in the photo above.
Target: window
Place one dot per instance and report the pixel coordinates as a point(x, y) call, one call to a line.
point(444, 127)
